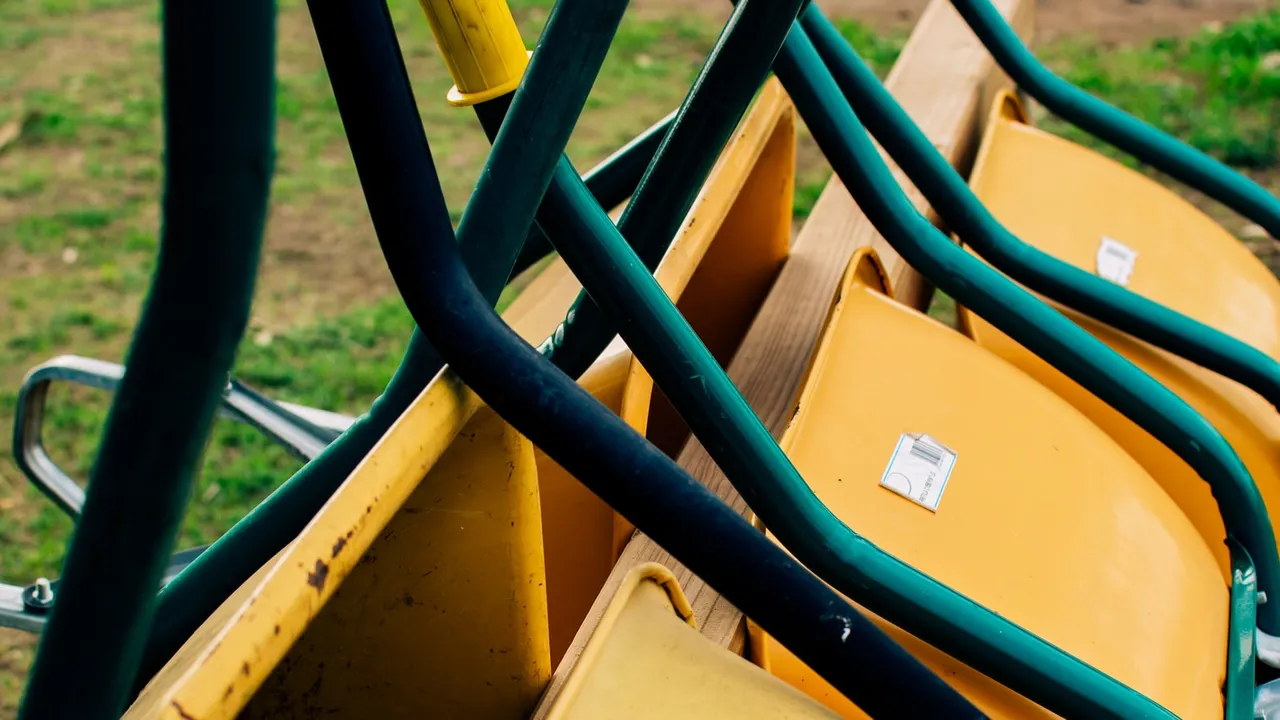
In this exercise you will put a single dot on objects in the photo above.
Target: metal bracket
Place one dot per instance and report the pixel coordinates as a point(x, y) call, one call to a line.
point(28, 608)
point(37, 598)
point(13, 612)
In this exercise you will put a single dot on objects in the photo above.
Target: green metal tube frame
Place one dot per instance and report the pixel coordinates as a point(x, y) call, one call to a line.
point(408, 212)
point(840, 134)
point(950, 196)
point(654, 330)
point(568, 203)
point(728, 82)
point(202, 586)
point(1116, 127)
point(965, 215)
point(611, 181)
point(580, 433)
point(574, 183)
point(219, 104)
point(567, 215)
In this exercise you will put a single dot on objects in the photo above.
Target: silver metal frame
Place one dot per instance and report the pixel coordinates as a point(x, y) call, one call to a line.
point(13, 613)
point(301, 430)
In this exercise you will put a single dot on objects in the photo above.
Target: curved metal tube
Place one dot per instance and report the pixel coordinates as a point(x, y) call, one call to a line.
point(591, 442)
point(219, 97)
point(1108, 123)
point(743, 448)
point(257, 537)
point(733, 72)
point(655, 331)
point(198, 590)
point(303, 431)
point(733, 435)
point(611, 181)
point(1016, 312)
point(956, 204)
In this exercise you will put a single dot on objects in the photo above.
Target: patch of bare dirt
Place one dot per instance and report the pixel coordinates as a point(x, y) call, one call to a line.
point(313, 266)
point(1131, 20)
point(1117, 21)
point(105, 40)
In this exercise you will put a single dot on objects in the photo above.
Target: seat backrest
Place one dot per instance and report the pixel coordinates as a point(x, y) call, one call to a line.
point(646, 661)
point(411, 624)
point(1015, 500)
point(1076, 205)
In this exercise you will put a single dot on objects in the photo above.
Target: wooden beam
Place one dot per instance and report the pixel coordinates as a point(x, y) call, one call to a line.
point(945, 79)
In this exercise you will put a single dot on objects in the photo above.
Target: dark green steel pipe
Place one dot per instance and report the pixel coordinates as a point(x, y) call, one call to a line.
point(729, 80)
point(1112, 125)
point(561, 70)
point(1237, 690)
point(543, 112)
point(202, 586)
point(610, 182)
point(689, 375)
point(410, 218)
point(733, 435)
point(1039, 328)
point(743, 448)
point(1024, 318)
point(965, 214)
point(219, 93)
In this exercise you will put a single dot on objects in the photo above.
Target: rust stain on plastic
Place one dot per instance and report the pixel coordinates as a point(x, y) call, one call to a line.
point(341, 543)
point(317, 577)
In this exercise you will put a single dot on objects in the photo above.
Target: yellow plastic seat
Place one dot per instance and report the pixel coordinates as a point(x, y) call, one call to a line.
point(1043, 519)
point(719, 268)
point(645, 661)
point(1065, 199)
point(451, 570)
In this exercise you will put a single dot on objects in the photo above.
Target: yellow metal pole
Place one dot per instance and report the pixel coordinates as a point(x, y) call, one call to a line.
point(481, 45)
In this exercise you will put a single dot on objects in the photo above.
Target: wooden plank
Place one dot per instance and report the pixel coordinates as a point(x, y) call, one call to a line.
point(945, 79)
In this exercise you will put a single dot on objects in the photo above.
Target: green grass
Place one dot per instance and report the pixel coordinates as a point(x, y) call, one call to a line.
point(84, 213)
point(79, 215)
point(879, 51)
point(1219, 89)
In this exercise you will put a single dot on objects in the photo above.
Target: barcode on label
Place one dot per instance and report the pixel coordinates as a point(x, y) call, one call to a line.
point(927, 452)
point(1115, 261)
point(919, 469)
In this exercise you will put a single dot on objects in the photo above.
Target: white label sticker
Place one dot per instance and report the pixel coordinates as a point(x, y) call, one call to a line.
point(1115, 261)
point(919, 469)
